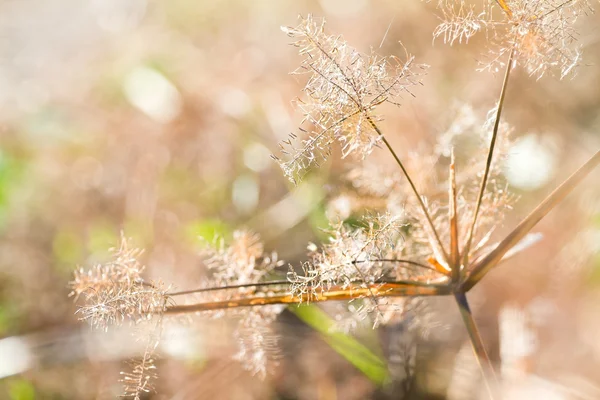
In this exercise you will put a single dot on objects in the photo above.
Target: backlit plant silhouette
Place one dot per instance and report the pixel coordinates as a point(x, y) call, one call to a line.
point(410, 241)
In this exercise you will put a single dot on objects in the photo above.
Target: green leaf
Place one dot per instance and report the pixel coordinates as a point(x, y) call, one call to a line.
point(9, 318)
point(373, 366)
point(21, 390)
point(11, 176)
point(101, 236)
point(206, 230)
point(67, 247)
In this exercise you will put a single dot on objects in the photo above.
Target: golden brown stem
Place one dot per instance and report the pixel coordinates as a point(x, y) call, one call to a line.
point(505, 7)
point(482, 266)
point(454, 251)
point(485, 363)
point(334, 293)
point(490, 156)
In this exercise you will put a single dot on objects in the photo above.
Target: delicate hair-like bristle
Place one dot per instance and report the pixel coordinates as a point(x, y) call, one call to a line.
point(139, 379)
point(257, 341)
point(468, 130)
point(115, 291)
point(460, 22)
point(243, 260)
point(541, 32)
point(344, 89)
point(353, 254)
point(395, 238)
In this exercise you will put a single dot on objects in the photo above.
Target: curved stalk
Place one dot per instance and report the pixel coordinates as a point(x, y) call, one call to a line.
point(412, 186)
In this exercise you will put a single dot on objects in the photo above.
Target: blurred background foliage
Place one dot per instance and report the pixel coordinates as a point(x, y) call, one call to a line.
point(157, 119)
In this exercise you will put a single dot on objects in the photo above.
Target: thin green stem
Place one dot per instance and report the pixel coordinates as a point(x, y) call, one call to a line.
point(488, 164)
point(485, 363)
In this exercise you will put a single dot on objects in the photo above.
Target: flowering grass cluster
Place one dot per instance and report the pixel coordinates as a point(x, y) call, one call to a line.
point(394, 237)
point(541, 32)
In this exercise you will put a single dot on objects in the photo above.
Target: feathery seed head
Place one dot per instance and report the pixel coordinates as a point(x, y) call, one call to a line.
point(540, 32)
point(115, 292)
point(343, 91)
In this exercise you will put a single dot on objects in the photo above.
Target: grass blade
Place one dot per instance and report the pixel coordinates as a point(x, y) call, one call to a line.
point(373, 366)
point(482, 266)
